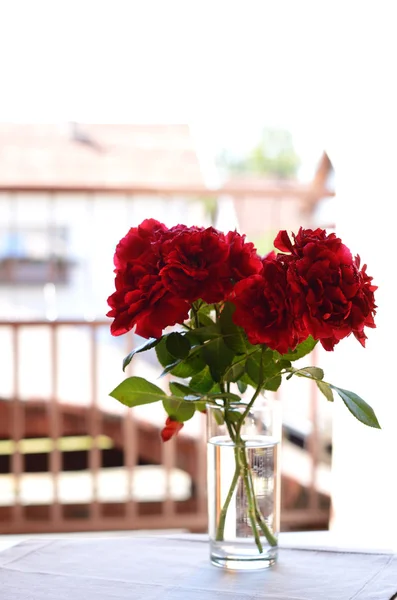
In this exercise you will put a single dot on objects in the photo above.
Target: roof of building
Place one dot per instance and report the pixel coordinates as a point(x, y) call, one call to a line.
point(97, 156)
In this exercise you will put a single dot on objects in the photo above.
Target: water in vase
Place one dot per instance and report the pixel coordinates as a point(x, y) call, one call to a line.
point(233, 544)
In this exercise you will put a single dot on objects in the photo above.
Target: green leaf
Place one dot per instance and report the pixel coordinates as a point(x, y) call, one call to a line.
point(163, 356)
point(202, 382)
point(269, 366)
point(272, 368)
point(178, 389)
point(272, 384)
point(203, 314)
point(252, 366)
point(218, 415)
point(238, 361)
point(201, 405)
point(225, 395)
point(234, 336)
point(326, 390)
point(178, 345)
point(358, 407)
point(242, 386)
point(190, 334)
point(205, 319)
point(206, 333)
point(179, 409)
point(218, 357)
point(135, 391)
point(146, 346)
point(169, 368)
point(235, 372)
point(313, 372)
point(301, 350)
point(190, 366)
point(234, 416)
point(284, 364)
point(246, 379)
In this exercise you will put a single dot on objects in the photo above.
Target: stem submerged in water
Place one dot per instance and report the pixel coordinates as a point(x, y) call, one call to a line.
point(222, 517)
point(259, 517)
point(243, 471)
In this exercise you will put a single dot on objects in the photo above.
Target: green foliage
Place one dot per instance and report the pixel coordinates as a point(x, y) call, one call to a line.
point(134, 391)
point(178, 345)
point(273, 383)
point(210, 356)
point(191, 365)
point(312, 372)
point(234, 372)
point(325, 389)
point(148, 345)
point(179, 410)
point(202, 382)
point(273, 156)
point(218, 357)
point(358, 407)
point(164, 357)
point(233, 415)
point(242, 386)
point(301, 350)
point(234, 336)
point(180, 390)
point(203, 312)
point(202, 334)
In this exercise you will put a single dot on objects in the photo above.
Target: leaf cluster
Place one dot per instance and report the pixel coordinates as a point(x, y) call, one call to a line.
point(211, 356)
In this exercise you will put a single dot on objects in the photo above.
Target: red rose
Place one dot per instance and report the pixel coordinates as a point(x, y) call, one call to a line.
point(363, 304)
point(140, 298)
point(303, 239)
point(243, 257)
point(195, 264)
point(263, 308)
point(139, 246)
point(329, 293)
point(171, 428)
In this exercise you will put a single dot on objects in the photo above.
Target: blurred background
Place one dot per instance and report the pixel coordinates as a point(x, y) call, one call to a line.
point(239, 116)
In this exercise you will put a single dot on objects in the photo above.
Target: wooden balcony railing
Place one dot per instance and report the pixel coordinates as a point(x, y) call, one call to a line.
point(73, 459)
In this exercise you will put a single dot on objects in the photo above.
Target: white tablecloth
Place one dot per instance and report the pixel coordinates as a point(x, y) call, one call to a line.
point(160, 568)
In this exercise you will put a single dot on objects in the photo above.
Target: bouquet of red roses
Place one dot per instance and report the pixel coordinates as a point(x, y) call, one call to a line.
point(238, 320)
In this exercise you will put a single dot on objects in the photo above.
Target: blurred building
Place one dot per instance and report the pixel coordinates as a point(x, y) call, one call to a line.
point(69, 193)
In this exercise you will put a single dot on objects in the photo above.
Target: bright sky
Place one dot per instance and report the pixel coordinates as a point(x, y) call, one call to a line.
point(226, 67)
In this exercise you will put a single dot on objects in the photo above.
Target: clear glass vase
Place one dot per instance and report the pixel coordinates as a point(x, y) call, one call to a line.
point(243, 479)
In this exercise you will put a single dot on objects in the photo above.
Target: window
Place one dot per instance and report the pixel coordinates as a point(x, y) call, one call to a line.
point(34, 256)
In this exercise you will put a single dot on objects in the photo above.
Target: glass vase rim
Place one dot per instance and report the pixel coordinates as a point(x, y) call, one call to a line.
point(257, 405)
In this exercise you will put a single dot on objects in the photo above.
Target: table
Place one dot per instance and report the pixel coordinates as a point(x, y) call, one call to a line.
point(177, 568)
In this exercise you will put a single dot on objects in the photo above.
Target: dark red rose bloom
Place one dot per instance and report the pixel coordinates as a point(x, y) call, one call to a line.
point(263, 308)
point(363, 304)
point(329, 293)
point(302, 239)
point(195, 265)
point(140, 298)
point(243, 257)
point(171, 428)
point(140, 245)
